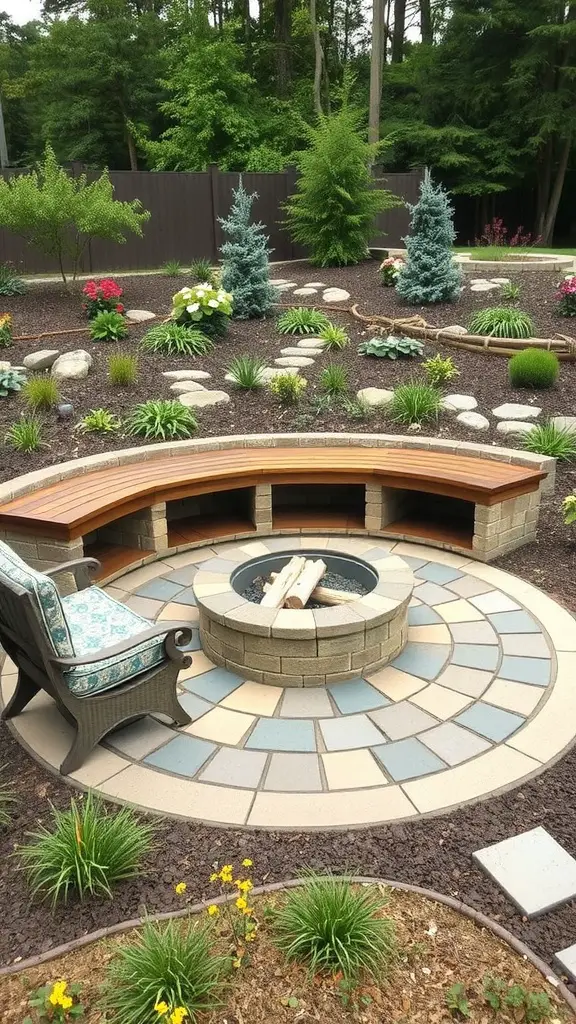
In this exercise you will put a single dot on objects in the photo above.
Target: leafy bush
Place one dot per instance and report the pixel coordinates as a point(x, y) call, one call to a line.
point(172, 268)
point(204, 306)
point(201, 270)
point(11, 380)
point(510, 292)
point(566, 296)
point(526, 1005)
point(334, 337)
point(430, 273)
point(89, 850)
point(456, 999)
point(359, 409)
point(392, 348)
point(245, 259)
point(56, 1002)
point(550, 439)
point(176, 340)
point(168, 965)
point(5, 330)
point(25, 435)
point(502, 322)
point(246, 372)
point(59, 214)
point(108, 326)
point(122, 369)
point(165, 419)
point(99, 421)
point(389, 270)
point(332, 212)
point(439, 371)
point(102, 297)
point(302, 320)
point(288, 387)
point(41, 392)
point(415, 403)
point(10, 283)
point(569, 509)
point(533, 368)
point(330, 925)
point(334, 380)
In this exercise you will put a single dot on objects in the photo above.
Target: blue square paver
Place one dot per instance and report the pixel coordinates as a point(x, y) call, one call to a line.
point(414, 563)
point(535, 671)
point(219, 565)
point(432, 593)
point(350, 733)
point(182, 756)
point(514, 622)
point(375, 554)
point(422, 660)
point(434, 572)
point(233, 767)
point(422, 615)
point(407, 759)
point(475, 656)
point(160, 589)
point(357, 695)
point(183, 576)
point(213, 685)
point(294, 734)
point(187, 596)
point(195, 706)
point(494, 723)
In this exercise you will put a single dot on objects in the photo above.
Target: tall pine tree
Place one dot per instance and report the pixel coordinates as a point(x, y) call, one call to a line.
point(245, 259)
point(430, 274)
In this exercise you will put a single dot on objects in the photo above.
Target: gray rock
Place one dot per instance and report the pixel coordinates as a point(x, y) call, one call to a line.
point(335, 295)
point(313, 353)
point(483, 286)
point(285, 287)
point(514, 427)
point(456, 329)
point(459, 403)
point(269, 372)
point(565, 423)
point(187, 374)
point(42, 359)
point(305, 291)
point(139, 315)
point(513, 411)
point(375, 396)
point(473, 420)
point(294, 361)
point(199, 399)
point(315, 284)
point(181, 387)
point(500, 280)
point(317, 343)
point(72, 365)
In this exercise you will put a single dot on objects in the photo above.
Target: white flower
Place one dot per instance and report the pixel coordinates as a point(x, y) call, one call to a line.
point(213, 303)
point(186, 293)
point(193, 307)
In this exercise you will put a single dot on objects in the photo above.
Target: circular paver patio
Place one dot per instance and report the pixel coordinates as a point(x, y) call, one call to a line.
point(481, 697)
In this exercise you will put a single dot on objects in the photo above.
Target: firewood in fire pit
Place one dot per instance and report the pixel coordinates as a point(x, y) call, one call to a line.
point(299, 593)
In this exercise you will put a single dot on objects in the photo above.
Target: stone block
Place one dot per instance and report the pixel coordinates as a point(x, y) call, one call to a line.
point(314, 680)
point(341, 644)
point(262, 661)
point(255, 674)
point(315, 666)
point(366, 657)
point(280, 647)
point(231, 637)
point(373, 523)
point(379, 634)
point(274, 679)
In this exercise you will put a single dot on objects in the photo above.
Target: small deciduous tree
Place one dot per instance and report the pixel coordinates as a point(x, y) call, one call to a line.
point(59, 214)
point(245, 259)
point(430, 273)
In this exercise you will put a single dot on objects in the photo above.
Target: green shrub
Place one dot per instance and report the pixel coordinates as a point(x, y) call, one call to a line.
point(246, 372)
point(415, 403)
point(108, 326)
point(25, 435)
point(302, 320)
point(99, 421)
point(359, 409)
point(172, 268)
point(502, 322)
point(122, 369)
point(11, 380)
point(334, 380)
point(533, 368)
point(170, 963)
point(569, 509)
point(204, 306)
point(5, 330)
point(162, 419)
point(7, 798)
point(245, 268)
point(88, 850)
point(440, 371)
point(549, 439)
point(510, 292)
point(201, 272)
point(429, 273)
point(331, 925)
point(176, 340)
point(10, 283)
point(392, 348)
point(334, 337)
point(288, 387)
point(41, 392)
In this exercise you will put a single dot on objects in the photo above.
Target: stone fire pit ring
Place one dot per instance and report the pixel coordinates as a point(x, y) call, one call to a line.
point(307, 647)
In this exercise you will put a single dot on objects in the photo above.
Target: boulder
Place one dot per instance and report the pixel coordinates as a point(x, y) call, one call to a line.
point(72, 365)
point(514, 427)
point(565, 423)
point(186, 374)
point(473, 420)
point(500, 280)
point(294, 361)
point(513, 411)
point(4, 365)
point(335, 295)
point(459, 403)
point(42, 359)
point(483, 286)
point(375, 396)
point(139, 315)
point(199, 399)
point(315, 284)
point(181, 387)
point(456, 329)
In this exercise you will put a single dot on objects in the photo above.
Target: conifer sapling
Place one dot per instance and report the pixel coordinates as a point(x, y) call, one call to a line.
point(430, 274)
point(245, 271)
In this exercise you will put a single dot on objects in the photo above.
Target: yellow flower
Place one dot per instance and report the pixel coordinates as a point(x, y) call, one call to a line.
point(180, 888)
point(247, 863)
point(247, 911)
point(161, 1008)
point(213, 910)
point(226, 873)
point(57, 993)
point(245, 886)
point(66, 1002)
point(241, 903)
point(251, 936)
point(213, 877)
point(178, 1014)
point(237, 962)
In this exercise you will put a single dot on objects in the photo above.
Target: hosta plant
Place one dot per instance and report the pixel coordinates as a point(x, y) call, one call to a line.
point(25, 435)
point(288, 387)
point(172, 339)
point(302, 320)
point(101, 297)
point(415, 403)
point(569, 509)
point(162, 419)
point(5, 330)
point(11, 380)
point(391, 347)
point(99, 421)
point(502, 322)
point(566, 296)
point(10, 283)
point(533, 368)
point(204, 306)
point(550, 439)
point(439, 370)
point(246, 372)
point(107, 326)
point(334, 337)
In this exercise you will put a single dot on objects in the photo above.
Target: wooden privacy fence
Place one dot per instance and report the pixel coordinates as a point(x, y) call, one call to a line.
point(185, 207)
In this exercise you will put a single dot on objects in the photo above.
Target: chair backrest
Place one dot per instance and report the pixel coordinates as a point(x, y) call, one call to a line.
point(15, 576)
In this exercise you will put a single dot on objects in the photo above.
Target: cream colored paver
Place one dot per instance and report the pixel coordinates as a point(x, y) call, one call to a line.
point(434, 634)
point(44, 729)
point(458, 611)
point(145, 606)
point(494, 601)
point(439, 701)
point(200, 664)
point(179, 612)
point(9, 668)
point(186, 558)
point(221, 726)
point(468, 586)
point(139, 577)
point(431, 554)
point(172, 794)
point(357, 545)
point(485, 774)
point(205, 589)
point(7, 687)
point(525, 645)
point(518, 697)
point(352, 769)
point(254, 548)
point(553, 728)
point(329, 810)
point(395, 684)
point(391, 564)
point(472, 681)
point(254, 699)
point(100, 766)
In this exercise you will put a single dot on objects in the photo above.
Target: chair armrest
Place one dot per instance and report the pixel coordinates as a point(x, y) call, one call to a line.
point(176, 632)
point(83, 569)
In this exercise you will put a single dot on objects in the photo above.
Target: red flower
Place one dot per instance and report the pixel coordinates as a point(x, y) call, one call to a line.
point(119, 308)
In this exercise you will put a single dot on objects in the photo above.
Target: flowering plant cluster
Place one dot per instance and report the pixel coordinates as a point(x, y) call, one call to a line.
point(237, 913)
point(57, 1002)
point(170, 1015)
point(566, 296)
point(102, 296)
point(5, 330)
point(206, 306)
point(390, 269)
point(496, 234)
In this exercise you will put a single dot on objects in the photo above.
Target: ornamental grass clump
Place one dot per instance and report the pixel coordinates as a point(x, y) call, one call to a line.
point(172, 339)
point(534, 368)
point(99, 421)
point(25, 435)
point(334, 337)
point(502, 322)
point(331, 925)
point(88, 850)
point(334, 380)
point(162, 419)
point(107, 326)
point(302, 320)
point(246, 372)
point(203, 306)
point(41, 392)
point(415, 403)
point(550, 439)
point(201, 270)
point(122, 369)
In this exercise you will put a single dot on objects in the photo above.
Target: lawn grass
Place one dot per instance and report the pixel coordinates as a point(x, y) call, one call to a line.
point(495, 252)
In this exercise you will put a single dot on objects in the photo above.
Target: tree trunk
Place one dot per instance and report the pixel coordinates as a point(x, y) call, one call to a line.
point(398, 32)
point(376, 71)
point(283, 44)
point(556, 193)
point(426, 33)
point(318, 59)
point(346, 32)
point(545, 159)
point(132, 154)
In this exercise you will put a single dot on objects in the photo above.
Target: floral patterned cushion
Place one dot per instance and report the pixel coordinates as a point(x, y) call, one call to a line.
point(45, 596)
point(95, 621)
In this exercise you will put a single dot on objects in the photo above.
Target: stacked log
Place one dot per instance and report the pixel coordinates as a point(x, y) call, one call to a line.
point(298, 582)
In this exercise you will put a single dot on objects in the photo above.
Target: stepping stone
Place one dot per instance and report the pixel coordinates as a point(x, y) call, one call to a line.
point(562, 422)
point(513, 411)
point(456, 329)
point(477, 280)
point(459, 403)
point(317, 343)
point(534, 871)
point(199, 399)
point(301, 351)
point(187, 374)
point(315, 284)
point(375, 396)
point(269, 372)
point(42, 359)
point(139, 315)
point(566, 958)
point(285, 287)
point(500, 280)
point(294, 361)
point(335, 295)
point(182, 387)
point(517, 427)
point(277, 281)
point(483, 286)
point(305, 291)
point(473, 420)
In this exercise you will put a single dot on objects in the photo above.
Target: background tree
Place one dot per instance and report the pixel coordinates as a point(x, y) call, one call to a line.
point(430, 273)
point(245, 253)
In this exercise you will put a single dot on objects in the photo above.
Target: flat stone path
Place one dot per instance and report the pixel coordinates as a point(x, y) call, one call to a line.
point(534, 870)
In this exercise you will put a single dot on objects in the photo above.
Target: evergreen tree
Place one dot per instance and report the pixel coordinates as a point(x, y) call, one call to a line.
point(245, 259)
point(430, 274)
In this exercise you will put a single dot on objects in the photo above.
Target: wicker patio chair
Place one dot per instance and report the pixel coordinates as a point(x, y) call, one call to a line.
point(103, 664)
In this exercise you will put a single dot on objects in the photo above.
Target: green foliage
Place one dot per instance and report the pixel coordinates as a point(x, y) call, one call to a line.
point(10, 283)
point(331, 925)
point(549, 439)
point(99, 421)
point(204, 306)
point(457, 1001)
point(569, 509)
point(359, 409)
point(122, 369)
point(245, 259)
point(333, 210)
point(334, 337)
point(108, 326)
point(5, 330)
point(440, 371)
point(59, 214)
point(176, 340)
point(246, 372)
point(11, 380)
point(302, 320)
point(430, 274)
point(25, 435)
point(201, 271)
point(526, 1005)
point(502, 322)
point(334, 380)
point(56, 1002)
point(88, 851)
point(171, 963)
point(41, 392)
point(533, 368)
point(7, 798)
point(172, 268)
point(162, 419)
point(392, 348)
point(288, 387)
point(415, 403)
point(510, 292)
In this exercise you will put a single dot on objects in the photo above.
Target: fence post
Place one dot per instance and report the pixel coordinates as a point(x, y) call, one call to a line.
point(291, 177)
point(213, 178)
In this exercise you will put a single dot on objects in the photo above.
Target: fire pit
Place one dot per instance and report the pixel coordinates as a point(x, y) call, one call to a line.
point(363, 628)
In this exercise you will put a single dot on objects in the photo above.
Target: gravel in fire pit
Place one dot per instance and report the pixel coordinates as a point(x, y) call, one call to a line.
point(333, 580)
